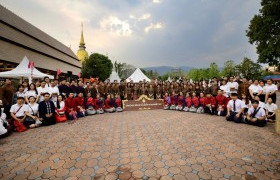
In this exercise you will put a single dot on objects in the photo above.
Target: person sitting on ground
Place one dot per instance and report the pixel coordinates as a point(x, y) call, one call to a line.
point(90, 104)
point(221, 103)
point(180, 103)
point(98, 104)
point(18, 115)
point(60, 109)
point(174, 101)
point(118, 103)
point(256, 115)
point(81, 110)
point(107, 106)
point(3, 123)
point(188, 102)
point(195, 102)
point(113, 102)
point(20, 93)
point(235, 109)
point(47, 110)
point(32, 119)
point(201, 107)
point(32, 91)
point(166, 102)
point(71, 107)
point(210, 104)
point(270, 108)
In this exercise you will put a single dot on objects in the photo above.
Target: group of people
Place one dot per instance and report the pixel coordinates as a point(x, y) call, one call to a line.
point(251, 102)
point(49, 101)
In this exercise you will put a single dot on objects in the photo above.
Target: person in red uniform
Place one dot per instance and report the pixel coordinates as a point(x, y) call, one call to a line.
point(60, 109)
point(167, 101)
point(107, 106)
point(174, 101)
point(81, 109)
point(201, 105)
point(118, 103)
point(188, 102)
point(71, 107)
point(195, 100)
point(210, 104)
point(98, 105)
point(221, 101)
point(90, 103)
point(180, 103)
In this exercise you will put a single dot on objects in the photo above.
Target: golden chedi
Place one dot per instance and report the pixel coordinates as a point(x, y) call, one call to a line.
point(82, 54)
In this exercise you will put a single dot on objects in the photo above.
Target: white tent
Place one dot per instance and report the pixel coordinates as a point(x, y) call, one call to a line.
point(137, 76)
point(22, 71)
point(114, 76)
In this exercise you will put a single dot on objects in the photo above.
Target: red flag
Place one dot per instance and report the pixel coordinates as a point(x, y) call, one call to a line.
point(31, 65)
point(58, 72)
point(79, 74)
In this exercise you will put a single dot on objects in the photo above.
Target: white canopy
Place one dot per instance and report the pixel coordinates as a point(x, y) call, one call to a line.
point(137, 76)
point(114, 76)
point(22, 70)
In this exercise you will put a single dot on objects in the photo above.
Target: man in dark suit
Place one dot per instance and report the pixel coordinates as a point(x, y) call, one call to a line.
point(47, 111)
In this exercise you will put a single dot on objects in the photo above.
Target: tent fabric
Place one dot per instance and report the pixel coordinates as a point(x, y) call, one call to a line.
point(22, 70)
point(114, 76)
point(275, 77)
point(137, 76)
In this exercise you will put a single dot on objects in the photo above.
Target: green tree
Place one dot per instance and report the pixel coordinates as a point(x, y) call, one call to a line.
point(264, 32)
point(151, 74)
point(249, 69)
point(97, 65)
point(214, 70)
point(229, 69)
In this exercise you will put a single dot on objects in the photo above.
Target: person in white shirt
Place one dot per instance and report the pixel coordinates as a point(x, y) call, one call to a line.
point(270, 90)
point(235, 109)
point(19, 93)
point(18, 112)
point(225, 88)
point(3, 129)
point(263, 89)
point(47, 80)
point(26, 86)
point(261, 104)
point(42, 90)
point(256, 115)
point(270, 108)
point(32, 91)
point(53, 90)
point(32, 116)
point(233, 86)
point(255, 89)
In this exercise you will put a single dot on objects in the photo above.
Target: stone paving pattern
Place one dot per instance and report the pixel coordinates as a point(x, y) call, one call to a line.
point(154, 144)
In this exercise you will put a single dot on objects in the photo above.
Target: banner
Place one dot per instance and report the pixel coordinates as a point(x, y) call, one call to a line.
point(142, 103)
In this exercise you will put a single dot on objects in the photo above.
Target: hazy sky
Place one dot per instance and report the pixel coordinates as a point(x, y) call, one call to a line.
point(148, 32)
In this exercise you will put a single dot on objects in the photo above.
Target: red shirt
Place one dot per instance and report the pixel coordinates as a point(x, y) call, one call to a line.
point(98, 103)
point(90, 102)
point(221, 101)
point(174, 100)
point(202, 101)
point(107, 104)
point(118, 102)
point(188, 101)
point(71, 104)
point(210, 100)
point(80, 101)
point(181, 100)
point(195, 101)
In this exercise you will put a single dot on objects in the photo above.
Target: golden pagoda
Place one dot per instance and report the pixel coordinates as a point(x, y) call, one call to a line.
point(82, 54)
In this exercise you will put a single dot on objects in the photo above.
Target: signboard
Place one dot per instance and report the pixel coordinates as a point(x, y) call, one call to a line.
point(142, 103)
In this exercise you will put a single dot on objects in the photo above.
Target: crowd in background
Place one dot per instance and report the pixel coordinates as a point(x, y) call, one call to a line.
point(48, 101)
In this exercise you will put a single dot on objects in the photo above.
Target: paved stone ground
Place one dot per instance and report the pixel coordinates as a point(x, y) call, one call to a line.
point(154, 144)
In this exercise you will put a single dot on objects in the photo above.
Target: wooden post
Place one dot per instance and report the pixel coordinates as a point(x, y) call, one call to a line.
point(277, 124)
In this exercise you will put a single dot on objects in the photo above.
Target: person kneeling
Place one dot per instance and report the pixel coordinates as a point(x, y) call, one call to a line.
point(235, 109)
point(60, 110)
point(256, 115)
point(81, 110)
point(18, 115)
point(108, 107)
point(71, 107)
point(90, 105)
point(166, 102)
point(47, 111)
point(99, 105)
point(118, 103)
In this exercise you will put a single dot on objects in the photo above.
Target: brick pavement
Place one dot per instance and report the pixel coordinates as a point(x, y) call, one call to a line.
point(154, 144)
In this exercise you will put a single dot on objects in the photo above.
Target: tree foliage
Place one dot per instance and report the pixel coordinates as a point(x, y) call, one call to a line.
point(229, 69)
point(97, 65)
point(214, 71)
point(249, 69)
point(151, 74)
point(264, 32)
point(124, 70)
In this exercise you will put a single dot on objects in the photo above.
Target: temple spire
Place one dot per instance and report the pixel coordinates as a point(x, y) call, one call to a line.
point(82, 41)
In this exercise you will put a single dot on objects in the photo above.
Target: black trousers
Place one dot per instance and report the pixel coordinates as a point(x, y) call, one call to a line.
point(259, 123)
point(7, 109)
